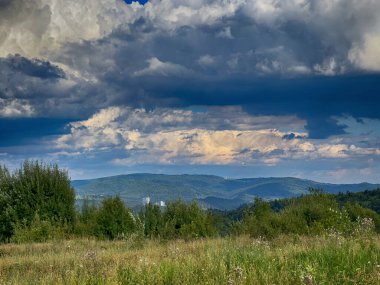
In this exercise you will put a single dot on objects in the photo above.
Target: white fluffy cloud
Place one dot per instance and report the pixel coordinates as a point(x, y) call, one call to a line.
point(166, 136)
point(170, 14)
point(163, 119)
point(34, 27)
point(366, 53)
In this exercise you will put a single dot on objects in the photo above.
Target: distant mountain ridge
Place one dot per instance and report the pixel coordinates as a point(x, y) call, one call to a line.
point(211, 191)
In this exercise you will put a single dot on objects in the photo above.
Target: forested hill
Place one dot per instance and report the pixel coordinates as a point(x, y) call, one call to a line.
point(211, 191)
point(367, 199)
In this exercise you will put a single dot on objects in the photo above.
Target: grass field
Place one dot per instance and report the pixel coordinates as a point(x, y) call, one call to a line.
point(241, 260)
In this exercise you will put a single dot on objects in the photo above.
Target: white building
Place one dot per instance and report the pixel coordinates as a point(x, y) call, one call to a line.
point(146, 200)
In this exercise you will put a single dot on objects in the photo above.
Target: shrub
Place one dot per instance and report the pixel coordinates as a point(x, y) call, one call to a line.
point(187, 221)
point(262, 221)
point(357, 212)
point(37, 231)
point(114, 219)
point(314, 214)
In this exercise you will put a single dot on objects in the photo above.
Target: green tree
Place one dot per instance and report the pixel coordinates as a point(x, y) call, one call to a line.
point(187, 221)
point(35, 189)
point(87, 219)
point(45, 189)
point(153, 221)
point(314, 214)
point(261, 221)
point(114, 219)
point(6, 212)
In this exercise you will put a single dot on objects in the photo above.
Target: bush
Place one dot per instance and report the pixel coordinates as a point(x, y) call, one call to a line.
point(186, 221)
point(357, 213)
point(38, 231)
point(114, 219)
point(314, 214)
point(261, 221)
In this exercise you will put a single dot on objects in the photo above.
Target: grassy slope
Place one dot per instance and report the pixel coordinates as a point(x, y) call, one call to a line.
point(214, 261)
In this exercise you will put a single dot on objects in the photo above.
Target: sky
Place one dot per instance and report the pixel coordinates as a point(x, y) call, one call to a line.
point(236, 88)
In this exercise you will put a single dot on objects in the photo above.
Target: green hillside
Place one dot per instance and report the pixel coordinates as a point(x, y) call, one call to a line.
point(211, 191)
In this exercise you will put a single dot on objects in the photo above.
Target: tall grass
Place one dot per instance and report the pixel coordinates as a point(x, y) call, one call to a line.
point(241, 260)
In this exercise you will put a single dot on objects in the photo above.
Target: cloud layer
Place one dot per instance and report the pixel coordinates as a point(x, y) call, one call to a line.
point(165, 136)
point(179, 53)
point(298, 36)
point(242, 82)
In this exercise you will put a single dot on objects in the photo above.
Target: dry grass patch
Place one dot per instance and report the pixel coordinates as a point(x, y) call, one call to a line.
point(241, 260)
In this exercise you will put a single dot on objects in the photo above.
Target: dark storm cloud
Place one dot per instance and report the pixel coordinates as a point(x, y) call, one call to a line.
point(287, 67)
point(272, 58)
point(315, 99)
point(31, 67)
point(33, 87)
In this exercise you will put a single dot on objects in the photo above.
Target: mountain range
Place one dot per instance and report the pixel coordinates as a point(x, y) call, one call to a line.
point(209, 190)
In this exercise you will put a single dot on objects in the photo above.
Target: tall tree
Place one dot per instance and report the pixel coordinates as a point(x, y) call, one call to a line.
point(35, 189)
point(6, 212)
point(45, 189)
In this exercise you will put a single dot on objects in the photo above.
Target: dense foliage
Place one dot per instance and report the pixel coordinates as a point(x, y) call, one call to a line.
point(315, 214)
point(367, 199)
point(111, 220)
point(178, 220)
point(37, 203)
point(32, 193)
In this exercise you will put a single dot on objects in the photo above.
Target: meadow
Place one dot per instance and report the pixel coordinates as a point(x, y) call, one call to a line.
point(288, 259)
point(311, 239)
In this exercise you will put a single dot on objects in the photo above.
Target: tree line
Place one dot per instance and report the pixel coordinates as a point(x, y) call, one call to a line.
point(37, 203)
